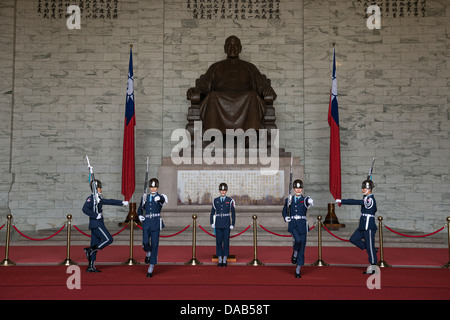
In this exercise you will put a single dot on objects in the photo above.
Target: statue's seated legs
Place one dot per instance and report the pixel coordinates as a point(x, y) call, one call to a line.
point(239, 110)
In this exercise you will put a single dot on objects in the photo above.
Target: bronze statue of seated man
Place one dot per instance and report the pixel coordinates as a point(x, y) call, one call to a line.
point(232, 93)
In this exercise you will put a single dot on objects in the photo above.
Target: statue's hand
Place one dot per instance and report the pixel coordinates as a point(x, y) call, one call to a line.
point(191, 92)
point(269, 92)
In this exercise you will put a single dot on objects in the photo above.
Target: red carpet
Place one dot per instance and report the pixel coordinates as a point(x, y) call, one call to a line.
point(202, 282)
point(416, 274)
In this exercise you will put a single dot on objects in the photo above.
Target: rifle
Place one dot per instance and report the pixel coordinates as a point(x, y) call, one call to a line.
point(290, 191)
point(369, 175)
point(96, 197)
point(144, 197)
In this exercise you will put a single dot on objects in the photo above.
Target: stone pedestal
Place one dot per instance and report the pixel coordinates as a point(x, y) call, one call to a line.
point(191, 188)
point(331, 220)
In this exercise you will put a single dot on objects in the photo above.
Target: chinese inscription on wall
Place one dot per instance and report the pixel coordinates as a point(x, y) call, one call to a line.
point(246, 187)
point(91, 9)
point(398, 8)
point(234, 9)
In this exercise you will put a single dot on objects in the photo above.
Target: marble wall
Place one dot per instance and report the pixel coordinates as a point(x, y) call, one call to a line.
point(63, 96)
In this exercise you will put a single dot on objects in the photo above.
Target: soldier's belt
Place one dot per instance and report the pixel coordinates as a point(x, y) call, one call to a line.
point(223, 215)
point(153, 215)
point(367, 220)
point(297, 217)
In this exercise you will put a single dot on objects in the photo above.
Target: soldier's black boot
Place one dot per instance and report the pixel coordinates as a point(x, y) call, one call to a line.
point(88, 251)
point(294, 257)
point(91, 267)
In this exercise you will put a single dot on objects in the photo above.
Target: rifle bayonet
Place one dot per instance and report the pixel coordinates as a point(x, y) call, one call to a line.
point(144, 196)
point(95, 196)
point(290, 190)
point(369, 176)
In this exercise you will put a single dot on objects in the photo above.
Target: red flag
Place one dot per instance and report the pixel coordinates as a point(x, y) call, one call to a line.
point(128, 176)
point(335, 143)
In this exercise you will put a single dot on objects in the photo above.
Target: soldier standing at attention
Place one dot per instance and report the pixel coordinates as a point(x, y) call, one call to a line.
point(221, 221)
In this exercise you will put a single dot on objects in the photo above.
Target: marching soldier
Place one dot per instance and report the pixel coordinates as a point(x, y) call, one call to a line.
point(222, 207)
point(149, 213)
point(295, 215)
point(100, 236)
point(364, 236)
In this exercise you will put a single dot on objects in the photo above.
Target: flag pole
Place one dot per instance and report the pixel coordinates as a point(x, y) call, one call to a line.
point(132, 216)
point(331, 220)
point(331, 196)
point(132, 196)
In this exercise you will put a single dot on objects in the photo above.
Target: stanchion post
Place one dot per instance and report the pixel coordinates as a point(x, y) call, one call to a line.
point(381, 263)
point(255, 261)
point(132, 214)
point(319, 262)
point(447, 265)
point(194, 261)
point(6, 261)
point(68, 261)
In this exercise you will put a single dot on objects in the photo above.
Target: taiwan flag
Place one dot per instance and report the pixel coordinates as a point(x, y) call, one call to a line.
point(128, 176)
point(335, 144)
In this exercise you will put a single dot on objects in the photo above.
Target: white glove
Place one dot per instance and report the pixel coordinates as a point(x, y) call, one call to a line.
point(157, 198)
point(99, 216)
point(287, 219)
point(125, 203)
point(141, 218)
point(310, 202)
point(165, 199)
point(231, 227)
point(338, 200)
point(213, 226)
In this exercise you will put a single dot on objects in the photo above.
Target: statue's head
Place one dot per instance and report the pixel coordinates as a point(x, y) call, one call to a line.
point(232, 47)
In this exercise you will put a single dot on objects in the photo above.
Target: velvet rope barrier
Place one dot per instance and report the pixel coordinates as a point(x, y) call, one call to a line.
point(334, 234)
point(29, 238)
point(282, 235)
point(411, 236)
point(238, 234)
point(277, 234)
point(176, 233)
point(208, 233)
point(233, 236)
point(87, 235)
point(170, 235)
point(2, 226)
point(80, 231)
point(115, 234)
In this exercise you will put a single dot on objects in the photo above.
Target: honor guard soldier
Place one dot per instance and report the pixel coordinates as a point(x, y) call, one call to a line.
point(100, 236)
point(364, 236)
point(222, 219)
point(149, 213)
point(294, 213)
